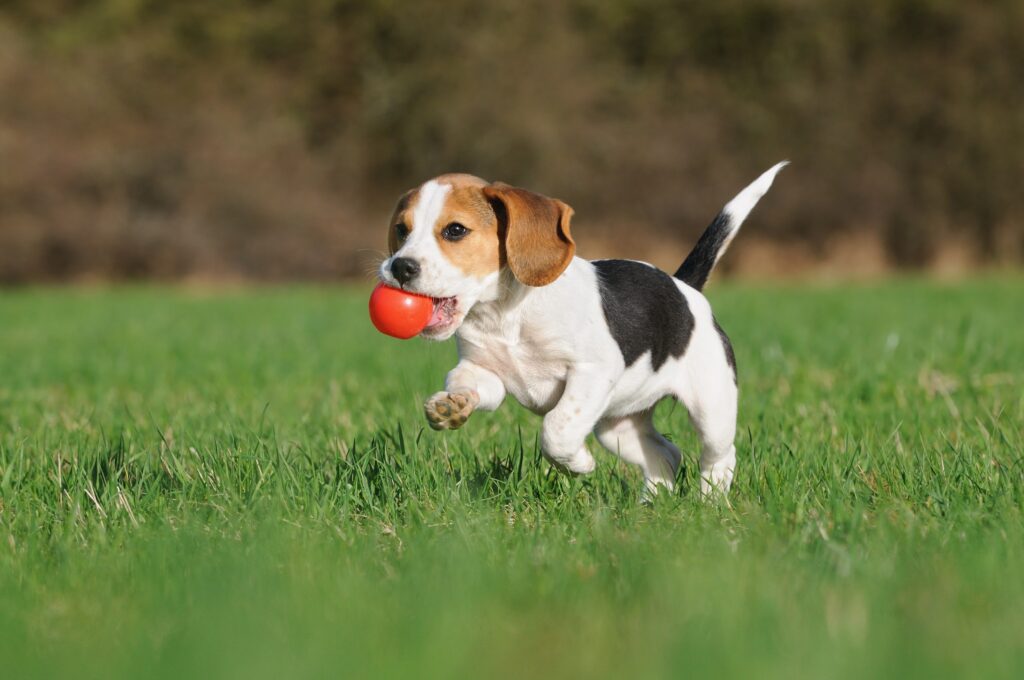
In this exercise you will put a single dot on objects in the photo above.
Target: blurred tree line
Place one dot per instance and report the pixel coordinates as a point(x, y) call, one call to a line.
point(269, 138)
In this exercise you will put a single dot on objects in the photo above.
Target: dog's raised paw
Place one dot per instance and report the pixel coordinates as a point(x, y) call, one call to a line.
point(449, 410)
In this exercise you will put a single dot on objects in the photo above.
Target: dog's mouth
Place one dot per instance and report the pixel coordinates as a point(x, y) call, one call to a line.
point(445, 316)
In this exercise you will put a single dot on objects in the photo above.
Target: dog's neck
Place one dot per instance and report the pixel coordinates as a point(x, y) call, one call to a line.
point(506, 312)
point(510, 297)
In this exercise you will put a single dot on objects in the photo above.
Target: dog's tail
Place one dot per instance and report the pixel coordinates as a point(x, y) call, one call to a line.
point(716, 238)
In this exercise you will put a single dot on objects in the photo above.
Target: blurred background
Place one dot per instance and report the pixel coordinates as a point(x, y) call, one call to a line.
point(268, 139)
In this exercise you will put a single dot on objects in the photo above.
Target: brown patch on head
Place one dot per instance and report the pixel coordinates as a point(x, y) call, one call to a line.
point(538, 243)
point(463, 186)
point(458, 180)
point(479, 252)
point(505, 224)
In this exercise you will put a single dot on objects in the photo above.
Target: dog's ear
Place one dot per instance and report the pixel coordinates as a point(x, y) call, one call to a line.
point(535, 232)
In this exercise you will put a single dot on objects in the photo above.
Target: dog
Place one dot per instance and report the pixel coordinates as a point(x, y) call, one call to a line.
point(592, 346)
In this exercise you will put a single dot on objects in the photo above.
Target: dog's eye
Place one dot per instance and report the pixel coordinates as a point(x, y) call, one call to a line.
point(401, 231)
point(454, 232)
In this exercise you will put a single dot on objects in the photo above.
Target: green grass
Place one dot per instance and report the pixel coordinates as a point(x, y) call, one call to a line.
point(240, 484)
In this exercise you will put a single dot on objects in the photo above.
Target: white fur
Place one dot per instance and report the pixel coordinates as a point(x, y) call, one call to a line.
point(551, 349)
point(739, 207)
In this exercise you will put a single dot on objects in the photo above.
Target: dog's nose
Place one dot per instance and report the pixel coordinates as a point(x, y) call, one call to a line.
point(404, 269)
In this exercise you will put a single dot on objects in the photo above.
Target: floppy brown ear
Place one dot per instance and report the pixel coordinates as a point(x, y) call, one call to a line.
point(538, 244)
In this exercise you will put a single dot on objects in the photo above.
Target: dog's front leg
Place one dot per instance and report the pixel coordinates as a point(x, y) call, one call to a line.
point(566, 426)
point(467, 387)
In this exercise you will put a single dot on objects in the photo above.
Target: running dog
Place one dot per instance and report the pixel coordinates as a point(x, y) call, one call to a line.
point(592, 346)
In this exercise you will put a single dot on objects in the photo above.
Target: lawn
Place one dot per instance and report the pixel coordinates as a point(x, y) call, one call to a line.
point(201, 483)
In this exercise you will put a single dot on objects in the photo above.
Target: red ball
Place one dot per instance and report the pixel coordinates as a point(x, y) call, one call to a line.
point(399, 314)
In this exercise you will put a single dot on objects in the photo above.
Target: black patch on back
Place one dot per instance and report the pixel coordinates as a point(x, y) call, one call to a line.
point(730, 356)
point(645, 311)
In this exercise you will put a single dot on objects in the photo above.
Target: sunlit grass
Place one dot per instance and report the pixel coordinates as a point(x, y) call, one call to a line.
point(240, 484)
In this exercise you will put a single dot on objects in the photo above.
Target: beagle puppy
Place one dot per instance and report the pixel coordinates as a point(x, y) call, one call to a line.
point(590, 346)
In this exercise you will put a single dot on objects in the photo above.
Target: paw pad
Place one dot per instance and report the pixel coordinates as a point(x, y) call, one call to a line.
point(446, 411)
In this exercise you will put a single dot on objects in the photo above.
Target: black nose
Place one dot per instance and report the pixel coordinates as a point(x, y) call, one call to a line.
point(404, 270)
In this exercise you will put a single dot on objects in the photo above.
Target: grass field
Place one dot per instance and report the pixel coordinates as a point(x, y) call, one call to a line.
point(240, 484)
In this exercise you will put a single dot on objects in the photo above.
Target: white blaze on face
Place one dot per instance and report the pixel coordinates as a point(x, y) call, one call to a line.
point(429, 205)
point(437, 277)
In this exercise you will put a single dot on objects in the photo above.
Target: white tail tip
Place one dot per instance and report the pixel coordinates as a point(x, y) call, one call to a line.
point(739, 207)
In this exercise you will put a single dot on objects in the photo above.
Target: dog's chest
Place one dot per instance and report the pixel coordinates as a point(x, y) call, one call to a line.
point(532, 368)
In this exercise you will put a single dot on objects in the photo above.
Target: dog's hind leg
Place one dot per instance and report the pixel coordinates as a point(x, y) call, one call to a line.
point(713, 413)
point(634, 439)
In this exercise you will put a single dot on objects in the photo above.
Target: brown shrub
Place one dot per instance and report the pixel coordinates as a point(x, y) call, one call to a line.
point(247, 139)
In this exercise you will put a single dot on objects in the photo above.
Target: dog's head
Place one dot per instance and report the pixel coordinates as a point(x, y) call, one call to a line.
point(453, 237)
